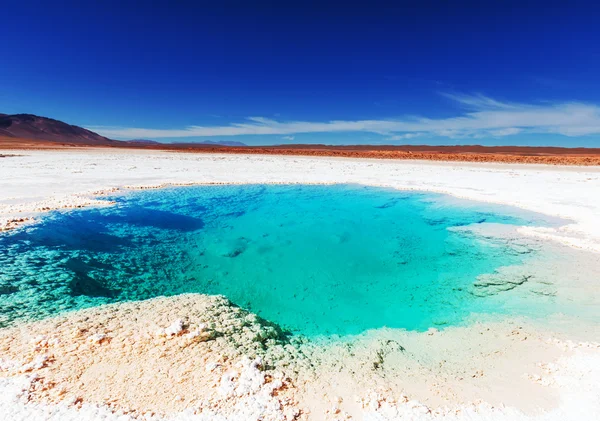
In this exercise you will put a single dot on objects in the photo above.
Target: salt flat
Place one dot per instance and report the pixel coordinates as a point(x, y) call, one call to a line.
point(512, 370)
point(38, 180)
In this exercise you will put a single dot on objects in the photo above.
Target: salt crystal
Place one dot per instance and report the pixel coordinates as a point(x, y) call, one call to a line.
point(175, 328)
point(211, 366)
point(97, 338)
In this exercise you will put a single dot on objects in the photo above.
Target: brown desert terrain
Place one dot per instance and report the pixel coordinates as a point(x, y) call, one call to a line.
point(27, 131)
point(470, 153)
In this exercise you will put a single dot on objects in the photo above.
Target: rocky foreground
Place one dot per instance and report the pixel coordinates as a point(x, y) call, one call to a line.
point(196, 357)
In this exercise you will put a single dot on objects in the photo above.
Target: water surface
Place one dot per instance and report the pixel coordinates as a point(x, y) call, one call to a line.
point(313, 259)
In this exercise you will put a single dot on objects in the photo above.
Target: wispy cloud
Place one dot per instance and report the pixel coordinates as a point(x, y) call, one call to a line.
point(509, 131)
point(482, 117)
point(404, 136)
point(290, 138)
point(479, 101)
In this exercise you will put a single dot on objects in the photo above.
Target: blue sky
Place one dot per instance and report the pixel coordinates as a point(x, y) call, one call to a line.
point(519, 73)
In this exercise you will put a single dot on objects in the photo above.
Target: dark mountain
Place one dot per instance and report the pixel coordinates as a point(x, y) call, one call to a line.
point(29, 126)
point(142, 142)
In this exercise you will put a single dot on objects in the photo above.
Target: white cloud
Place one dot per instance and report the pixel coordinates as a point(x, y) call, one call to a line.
point(290, 138)
point(404, 136)
point(509, 131)
point(483, 117)
point(478, 101)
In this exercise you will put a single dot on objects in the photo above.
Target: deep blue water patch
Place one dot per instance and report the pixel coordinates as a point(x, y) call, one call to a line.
point(314, 259)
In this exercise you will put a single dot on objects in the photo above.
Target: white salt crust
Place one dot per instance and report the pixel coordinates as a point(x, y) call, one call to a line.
point(37, 181)
point(197, 358)
point(220, 362)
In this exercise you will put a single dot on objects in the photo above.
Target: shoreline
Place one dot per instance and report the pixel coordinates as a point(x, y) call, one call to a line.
point(61, 365)
point(578, 156)
point(583, 233)
point(195, 357)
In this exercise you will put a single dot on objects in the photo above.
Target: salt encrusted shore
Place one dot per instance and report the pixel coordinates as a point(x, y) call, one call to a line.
point(196, 357)
point(37, 181)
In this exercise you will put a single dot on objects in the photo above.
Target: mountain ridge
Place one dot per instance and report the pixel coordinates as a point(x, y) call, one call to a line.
point(30, 126)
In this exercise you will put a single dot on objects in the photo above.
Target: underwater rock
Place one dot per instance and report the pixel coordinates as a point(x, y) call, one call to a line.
point(82, 284)
point(497, 282)
point(8, 289)
point(240, 246)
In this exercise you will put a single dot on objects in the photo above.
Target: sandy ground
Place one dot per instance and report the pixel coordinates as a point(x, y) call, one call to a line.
point(199, 357)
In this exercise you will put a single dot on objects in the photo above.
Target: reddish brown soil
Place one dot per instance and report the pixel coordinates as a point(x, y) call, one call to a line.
point(472, 153)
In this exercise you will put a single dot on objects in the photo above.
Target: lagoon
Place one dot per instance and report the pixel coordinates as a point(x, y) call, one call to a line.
point(314, 259)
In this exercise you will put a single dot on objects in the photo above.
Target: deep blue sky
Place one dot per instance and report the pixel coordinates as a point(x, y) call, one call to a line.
point(426, 72)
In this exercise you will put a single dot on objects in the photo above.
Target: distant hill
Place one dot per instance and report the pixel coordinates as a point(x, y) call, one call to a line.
point(29, 126)
point(184, 144)
point(142, 142)
point(222, 143)
point(33, 127)
point(25, 131)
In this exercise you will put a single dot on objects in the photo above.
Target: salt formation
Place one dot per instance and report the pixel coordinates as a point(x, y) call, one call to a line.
point(215, 361)
point(174, 329)
point(110, 357)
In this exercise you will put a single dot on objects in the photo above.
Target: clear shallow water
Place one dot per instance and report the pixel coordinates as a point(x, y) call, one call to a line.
point(313, 259)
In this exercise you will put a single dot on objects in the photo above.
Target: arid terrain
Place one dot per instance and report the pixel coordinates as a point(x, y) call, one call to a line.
point(27, 131)
point(474, 153)
point(198, 357)
point(202, 356)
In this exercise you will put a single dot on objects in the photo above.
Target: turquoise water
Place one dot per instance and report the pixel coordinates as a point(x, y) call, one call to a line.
point(313, 259)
